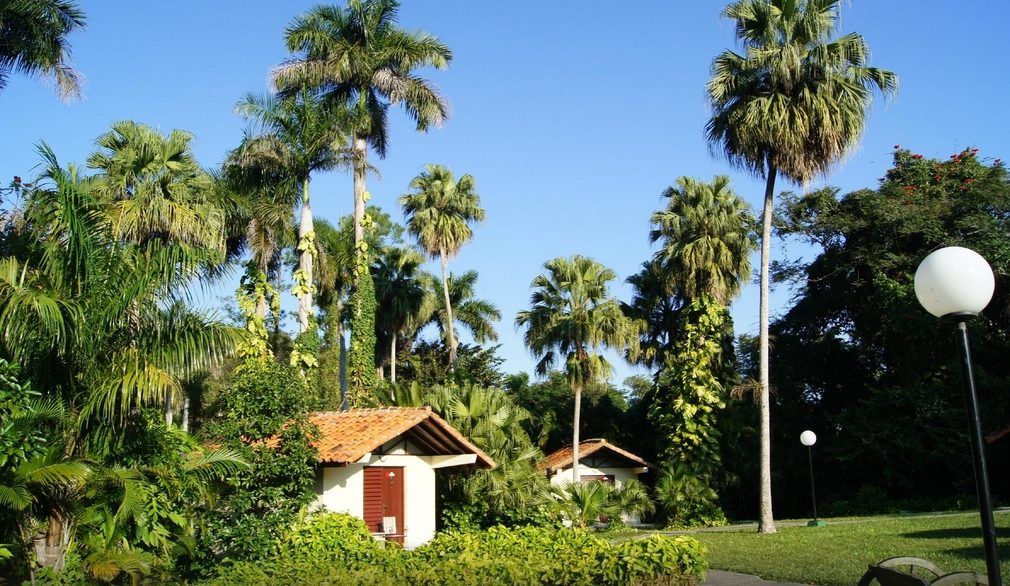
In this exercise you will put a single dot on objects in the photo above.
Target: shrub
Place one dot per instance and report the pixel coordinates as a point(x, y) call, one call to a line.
point(337, 549)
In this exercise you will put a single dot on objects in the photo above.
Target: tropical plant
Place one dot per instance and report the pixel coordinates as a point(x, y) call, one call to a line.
point(96, 321)
point(686, 500)
point(793, 104)
point(464, 308)
point(571, 319)
point(584, 503)
point(655, 305)
point(358, 56)
point(400, 299)
point(438, 214)
point(33, 41)
point(294, 137)
point(706, 235)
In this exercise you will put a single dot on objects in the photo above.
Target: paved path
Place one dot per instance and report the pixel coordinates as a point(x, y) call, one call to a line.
point(721, 578)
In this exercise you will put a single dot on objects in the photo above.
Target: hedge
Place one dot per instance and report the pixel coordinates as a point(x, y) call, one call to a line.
point(335, 549)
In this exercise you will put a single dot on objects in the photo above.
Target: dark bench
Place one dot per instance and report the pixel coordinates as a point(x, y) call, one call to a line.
point(916, 572)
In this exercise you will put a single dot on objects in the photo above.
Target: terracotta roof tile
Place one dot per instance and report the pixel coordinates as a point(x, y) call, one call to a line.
point(347, 436)
point(563, 457)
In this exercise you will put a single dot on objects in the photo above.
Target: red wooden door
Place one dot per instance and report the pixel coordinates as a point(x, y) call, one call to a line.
point(383, 499)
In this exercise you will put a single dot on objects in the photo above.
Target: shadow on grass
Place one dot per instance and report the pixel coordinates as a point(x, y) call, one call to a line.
point(976, 553)
point(958, 533)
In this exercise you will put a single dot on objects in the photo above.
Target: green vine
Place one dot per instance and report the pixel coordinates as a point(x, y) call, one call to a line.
point(362, 379)
point(688, 394)
point(255, 289)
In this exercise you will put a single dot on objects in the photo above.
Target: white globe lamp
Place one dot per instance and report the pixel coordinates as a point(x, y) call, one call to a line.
point(808, 438)
point(955, 284)
point(954, 281)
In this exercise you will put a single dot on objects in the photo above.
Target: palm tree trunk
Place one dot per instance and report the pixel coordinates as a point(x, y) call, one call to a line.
point(305, 260)
point(450, 336)
point(360, 168)
point(169, 411)
point(392, 359)
point(575, 434)
point(766, 523)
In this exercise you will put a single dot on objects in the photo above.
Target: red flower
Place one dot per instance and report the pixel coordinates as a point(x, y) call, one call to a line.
point(916, 156)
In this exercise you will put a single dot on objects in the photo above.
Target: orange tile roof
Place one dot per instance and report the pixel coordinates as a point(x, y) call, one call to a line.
point(563, 457)
point(347, 436)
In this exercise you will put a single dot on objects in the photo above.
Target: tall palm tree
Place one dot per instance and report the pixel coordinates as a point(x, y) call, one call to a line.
point(571, 319)
point(439, 213)
point(33, 41)
point(706, 235)
point(296, 136)
point(470, 312)
point(359, 57)
point(399, 295)
point(793, 104)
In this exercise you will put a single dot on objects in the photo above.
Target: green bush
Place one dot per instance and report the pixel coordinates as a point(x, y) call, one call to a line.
point(337, 549)
point(336, 537)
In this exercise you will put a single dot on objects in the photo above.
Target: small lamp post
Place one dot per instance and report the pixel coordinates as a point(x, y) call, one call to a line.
point(809, 438)
point(955, 284)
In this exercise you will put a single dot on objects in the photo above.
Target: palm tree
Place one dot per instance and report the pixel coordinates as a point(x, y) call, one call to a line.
point(399, 296)
point(571, 318)
point(476, 315)
point(657, 306)
point(33, 41)
point(155, 191)
point(156, 196)
point(295, 136)
point(439, 213)
point(358, 56)
point(706, 235)
point(793, 104)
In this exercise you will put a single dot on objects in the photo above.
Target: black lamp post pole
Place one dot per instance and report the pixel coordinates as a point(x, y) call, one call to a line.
point(978, 455)
point(813, 494)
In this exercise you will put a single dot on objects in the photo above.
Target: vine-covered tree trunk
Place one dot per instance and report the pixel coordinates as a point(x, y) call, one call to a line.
point(361, 368)
point(306, 249)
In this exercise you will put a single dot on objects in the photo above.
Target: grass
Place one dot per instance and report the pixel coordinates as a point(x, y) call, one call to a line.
point(838, 554)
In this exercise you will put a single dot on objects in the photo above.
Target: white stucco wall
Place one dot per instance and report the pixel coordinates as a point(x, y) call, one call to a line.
point(343, 490)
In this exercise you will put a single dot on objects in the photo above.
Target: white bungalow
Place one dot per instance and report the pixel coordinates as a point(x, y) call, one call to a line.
point(379, 465)
point(599, 460)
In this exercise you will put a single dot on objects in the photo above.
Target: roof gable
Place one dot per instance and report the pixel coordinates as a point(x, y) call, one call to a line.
point(563, 458)
point(347, 436)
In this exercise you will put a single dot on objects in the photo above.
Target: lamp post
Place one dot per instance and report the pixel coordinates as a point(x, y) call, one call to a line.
point(955, 284)
point(809, 438)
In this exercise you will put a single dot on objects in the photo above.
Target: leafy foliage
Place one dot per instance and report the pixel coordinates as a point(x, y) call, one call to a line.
point(362, 380)
point(497, 556)
point(688, 395)
point(262, 417)
point(856, 344)
point(35, 41)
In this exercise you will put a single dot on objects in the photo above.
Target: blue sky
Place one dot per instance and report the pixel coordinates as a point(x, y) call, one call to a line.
point(572, 116)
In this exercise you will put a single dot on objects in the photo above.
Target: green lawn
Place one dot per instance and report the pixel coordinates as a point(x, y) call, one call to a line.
point(838, 554)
